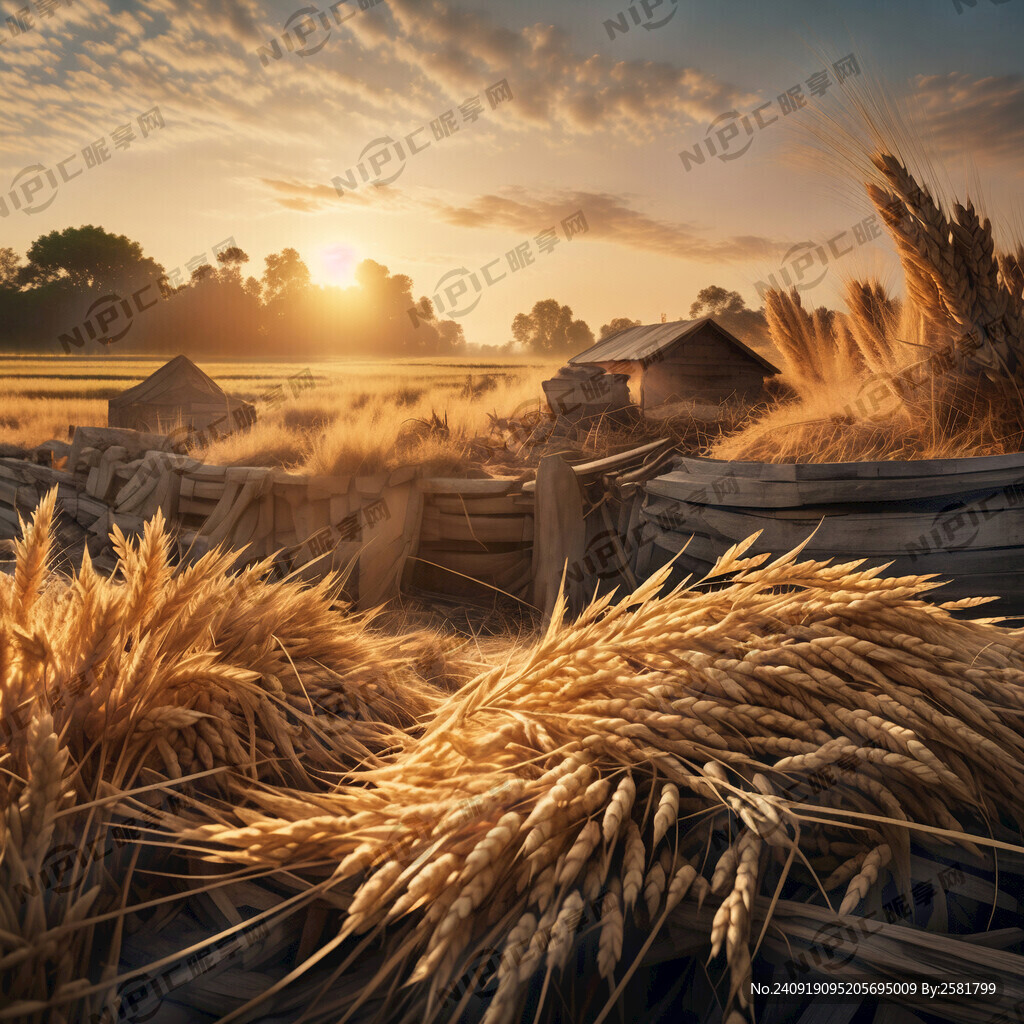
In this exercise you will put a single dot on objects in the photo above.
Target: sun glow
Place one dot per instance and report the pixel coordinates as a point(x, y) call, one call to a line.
point(338, 263)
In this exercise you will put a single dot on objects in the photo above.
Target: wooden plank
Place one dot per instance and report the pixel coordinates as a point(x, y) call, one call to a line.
point(963, 565)
point(312, 517)
point(223, 508)
point(190, 507)
point(440, 546)
point(340, 505)
point(482, 565)
point(284, 512)
point(623, 459)
point(166, 495)
point(473, 505)
point(137, 491)
point(729, 488)
point(478, 530)
point(321, 487)
point(860, 470)
point(985, 524)
point(203, 490)
point(221, 524)
point(402, 475)
point(290, 480)
point(8, 523)
point(243, 532)
point(136, 442)
point(208, 473)
point(489, 487)
point(560, 534)
point(265, 525)
point(128, 523)
point(388, 541)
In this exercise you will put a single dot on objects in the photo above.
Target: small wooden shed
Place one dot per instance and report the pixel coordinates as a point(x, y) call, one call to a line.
point(178, 394)
point(688, 360)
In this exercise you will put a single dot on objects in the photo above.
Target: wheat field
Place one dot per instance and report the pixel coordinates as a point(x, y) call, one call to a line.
point(358, 417)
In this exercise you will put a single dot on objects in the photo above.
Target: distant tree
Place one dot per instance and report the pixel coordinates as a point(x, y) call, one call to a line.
point(231, 261)
point(9, 267)
point(379, 307)
point(285, 275)
point(88, 257)
point(715, 300)
point(620, 323)
point(232, 257)
point(729, 308)
point(549, 329)
point(230, 271)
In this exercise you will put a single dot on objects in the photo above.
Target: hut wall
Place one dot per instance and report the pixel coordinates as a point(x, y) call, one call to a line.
point(705, 367)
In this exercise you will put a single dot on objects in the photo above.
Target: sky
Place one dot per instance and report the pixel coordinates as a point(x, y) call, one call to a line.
point(505, 121)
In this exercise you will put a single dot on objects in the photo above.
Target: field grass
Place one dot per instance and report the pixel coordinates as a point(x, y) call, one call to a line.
point(359, 416)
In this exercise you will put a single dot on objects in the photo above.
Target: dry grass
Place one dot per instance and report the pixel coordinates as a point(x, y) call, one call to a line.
point(651, 769)
point(360, 418)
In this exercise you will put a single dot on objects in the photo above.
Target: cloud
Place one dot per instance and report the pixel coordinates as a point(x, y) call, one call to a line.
point(552, 82)
point(981, 116)
point(311, 198)
point(610, 218)
point(238, 17)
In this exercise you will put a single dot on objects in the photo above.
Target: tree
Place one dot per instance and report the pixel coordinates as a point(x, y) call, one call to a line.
point(9, 266)
point(550, 329)
point(715, 301)
point(286, 274)
point(230, 272)
point(231, 260)
point(89, 257)
point(620, 323)
point(749, 325)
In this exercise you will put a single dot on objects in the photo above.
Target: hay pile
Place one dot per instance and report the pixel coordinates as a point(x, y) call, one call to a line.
point(683, 777)
point(937, 375)
point(116, 695)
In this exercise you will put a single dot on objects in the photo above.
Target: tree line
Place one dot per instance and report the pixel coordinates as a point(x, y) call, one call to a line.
point(85, 290)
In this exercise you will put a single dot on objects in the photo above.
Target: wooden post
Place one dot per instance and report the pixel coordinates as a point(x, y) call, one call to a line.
point(559, 537)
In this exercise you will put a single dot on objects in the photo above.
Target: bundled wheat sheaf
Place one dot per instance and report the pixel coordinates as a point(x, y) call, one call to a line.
point(714, 772)
point(951, 354)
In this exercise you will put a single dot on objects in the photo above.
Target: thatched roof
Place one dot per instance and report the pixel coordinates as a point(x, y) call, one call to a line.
point(178, 382)
point(178, 392)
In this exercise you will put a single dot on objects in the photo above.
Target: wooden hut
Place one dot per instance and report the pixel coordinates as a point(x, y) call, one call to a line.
point(178, 394)
point(688, 360)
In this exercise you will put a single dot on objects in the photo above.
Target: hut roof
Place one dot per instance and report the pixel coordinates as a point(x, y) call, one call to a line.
point(177, 383)
point(649, 340)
